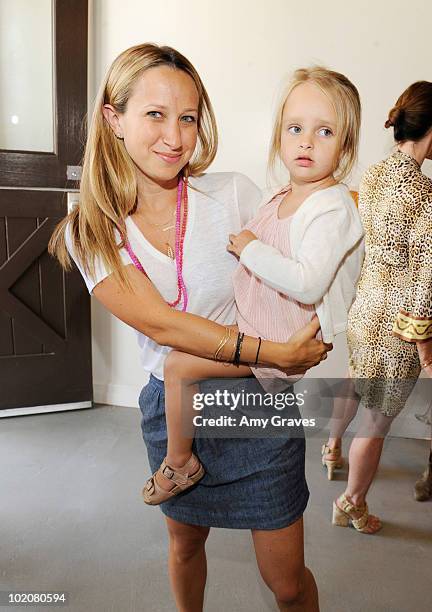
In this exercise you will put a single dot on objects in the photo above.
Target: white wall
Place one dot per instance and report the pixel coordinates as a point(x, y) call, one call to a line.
point(243, 50)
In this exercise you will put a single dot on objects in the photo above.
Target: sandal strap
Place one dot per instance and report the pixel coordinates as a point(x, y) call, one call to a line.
point(171, 474)
point(348, 507)
point(361, 522)
point(327, 450)
point(150, 486)
point(180, 478)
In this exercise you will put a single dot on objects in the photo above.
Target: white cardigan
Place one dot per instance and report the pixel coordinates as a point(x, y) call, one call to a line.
point(326, 239)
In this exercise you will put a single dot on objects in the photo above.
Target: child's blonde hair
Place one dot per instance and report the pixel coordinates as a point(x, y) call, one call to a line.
point(108, 190)
point(346, 101)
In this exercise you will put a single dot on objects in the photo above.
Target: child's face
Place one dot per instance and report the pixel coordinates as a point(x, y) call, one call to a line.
point(309, 147)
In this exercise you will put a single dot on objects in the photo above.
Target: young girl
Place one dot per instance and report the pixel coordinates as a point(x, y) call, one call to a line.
point(300, 256)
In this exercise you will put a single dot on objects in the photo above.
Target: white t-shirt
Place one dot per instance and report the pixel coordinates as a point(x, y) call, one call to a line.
point(221, 203)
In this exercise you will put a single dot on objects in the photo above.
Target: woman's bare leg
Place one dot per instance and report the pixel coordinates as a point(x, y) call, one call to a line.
point(344, 410)
point(364, 457)
point(280, 558)
point(187, 564)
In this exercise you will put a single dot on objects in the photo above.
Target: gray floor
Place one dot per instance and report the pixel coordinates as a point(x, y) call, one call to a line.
point(71, 519)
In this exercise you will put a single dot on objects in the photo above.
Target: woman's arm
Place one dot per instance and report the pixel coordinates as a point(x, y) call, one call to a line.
point(414, 321)
point(146, 311)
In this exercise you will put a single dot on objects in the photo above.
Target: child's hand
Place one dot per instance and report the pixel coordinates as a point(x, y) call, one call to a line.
point(238, 242)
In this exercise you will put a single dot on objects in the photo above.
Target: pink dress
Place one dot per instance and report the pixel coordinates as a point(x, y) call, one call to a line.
point(261, 310)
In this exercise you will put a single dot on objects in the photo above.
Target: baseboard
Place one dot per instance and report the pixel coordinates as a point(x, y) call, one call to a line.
point(11, 412)
point(117, 395)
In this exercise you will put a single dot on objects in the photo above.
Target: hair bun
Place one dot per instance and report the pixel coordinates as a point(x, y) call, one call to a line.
point(395, 116)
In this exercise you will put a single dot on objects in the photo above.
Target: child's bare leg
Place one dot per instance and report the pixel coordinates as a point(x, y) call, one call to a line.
point(181, 373)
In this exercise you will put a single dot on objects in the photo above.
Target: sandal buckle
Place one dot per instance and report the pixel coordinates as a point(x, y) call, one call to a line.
point(168, 472)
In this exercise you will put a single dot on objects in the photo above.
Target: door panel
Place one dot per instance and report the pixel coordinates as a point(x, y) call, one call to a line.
point(45, 336)
point(41, 168)
point(45, 350)
point(26, 44)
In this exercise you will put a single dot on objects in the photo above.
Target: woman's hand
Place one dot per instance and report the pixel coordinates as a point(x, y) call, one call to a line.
point(303, 350)
point(238, 242)
point(425, 354)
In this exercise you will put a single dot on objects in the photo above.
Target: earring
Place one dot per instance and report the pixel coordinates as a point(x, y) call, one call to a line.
point(119, 136)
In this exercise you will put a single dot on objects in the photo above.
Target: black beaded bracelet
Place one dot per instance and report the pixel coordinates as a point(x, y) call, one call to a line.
point(240, 348)
point(259, 346)
point(236, 360)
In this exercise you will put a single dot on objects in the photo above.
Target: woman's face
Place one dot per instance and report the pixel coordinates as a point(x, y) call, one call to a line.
point(160, 124)
point(309, 147)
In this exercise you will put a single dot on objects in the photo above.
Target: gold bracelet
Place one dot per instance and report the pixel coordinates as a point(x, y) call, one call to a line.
point(220, 351)
point(222, 343)
point(426, 364)
point(216, 353)
point(229, 361)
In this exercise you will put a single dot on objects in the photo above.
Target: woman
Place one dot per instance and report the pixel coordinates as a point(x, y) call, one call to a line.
point(143, 203)
point(390, 322)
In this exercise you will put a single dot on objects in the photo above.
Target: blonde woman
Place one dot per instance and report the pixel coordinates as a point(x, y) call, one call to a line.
point(149, 238)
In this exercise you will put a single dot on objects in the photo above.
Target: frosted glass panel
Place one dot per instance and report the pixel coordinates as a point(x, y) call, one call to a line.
point(26, 82)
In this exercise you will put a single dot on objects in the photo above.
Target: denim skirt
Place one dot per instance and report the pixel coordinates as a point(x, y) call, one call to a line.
point(249, 483)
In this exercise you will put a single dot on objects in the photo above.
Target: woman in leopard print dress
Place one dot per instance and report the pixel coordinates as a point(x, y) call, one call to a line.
point(390, 322)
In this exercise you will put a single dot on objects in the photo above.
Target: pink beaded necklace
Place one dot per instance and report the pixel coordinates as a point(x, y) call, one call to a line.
point(180, 230)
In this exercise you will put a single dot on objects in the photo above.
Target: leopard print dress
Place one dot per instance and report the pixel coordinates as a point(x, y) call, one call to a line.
point(393, 306)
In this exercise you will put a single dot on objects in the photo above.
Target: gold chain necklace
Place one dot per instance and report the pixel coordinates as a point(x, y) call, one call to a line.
point(161, 228)
point(159, 225)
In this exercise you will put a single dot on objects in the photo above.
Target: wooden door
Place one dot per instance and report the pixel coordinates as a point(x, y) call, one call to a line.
point(45, 337)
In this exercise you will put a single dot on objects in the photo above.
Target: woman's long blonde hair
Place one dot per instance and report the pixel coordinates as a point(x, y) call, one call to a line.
point(346, 101)
point(108, 189)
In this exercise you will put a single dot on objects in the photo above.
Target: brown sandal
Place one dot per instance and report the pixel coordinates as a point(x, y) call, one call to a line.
point(154, 494)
